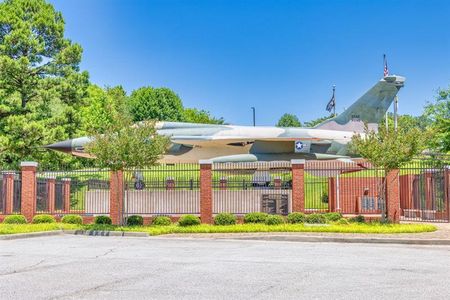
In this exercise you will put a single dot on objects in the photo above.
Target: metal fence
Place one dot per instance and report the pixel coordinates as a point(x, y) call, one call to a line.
point(84, 192)
point(241, 188)
point(424, 190)
point(16, 193)
point(165, 189)
point(346, 187)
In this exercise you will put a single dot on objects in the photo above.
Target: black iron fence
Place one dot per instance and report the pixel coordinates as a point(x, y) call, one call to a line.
point(242, 188)
point(425, 191)
point(84, 192)
point(165, 189)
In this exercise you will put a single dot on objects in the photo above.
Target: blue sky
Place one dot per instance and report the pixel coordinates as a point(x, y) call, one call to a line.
point(279, 56)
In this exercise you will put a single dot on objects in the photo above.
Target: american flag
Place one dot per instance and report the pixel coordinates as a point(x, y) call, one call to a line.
point(386, 70)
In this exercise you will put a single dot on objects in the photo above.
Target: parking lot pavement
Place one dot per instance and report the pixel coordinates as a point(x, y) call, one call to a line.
point(83, 267)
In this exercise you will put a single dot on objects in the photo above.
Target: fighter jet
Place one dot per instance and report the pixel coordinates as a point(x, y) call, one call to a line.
point(192, 142)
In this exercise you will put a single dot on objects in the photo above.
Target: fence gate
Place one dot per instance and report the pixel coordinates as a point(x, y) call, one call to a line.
point(424, 191)
point(166, 189)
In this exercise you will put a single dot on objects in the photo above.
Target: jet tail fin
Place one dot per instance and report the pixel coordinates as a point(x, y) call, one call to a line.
point(369, 108)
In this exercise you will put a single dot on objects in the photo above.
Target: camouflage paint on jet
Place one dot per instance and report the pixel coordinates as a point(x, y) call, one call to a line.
point(228, 143)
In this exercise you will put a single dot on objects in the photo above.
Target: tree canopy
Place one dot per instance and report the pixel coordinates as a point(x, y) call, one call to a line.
point(438, 116)
point(162, 104)
point(289, 120)
point(194, 115)
point(41, 86)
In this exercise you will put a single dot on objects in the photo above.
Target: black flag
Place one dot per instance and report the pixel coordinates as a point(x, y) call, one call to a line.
point(332, 103)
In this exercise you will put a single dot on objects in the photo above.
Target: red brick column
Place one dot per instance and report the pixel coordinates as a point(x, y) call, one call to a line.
point(66, 194)
point(51, 183)
point(206, 191)
point(298, 185)
point(428, 190)
point(28, 197)
point(8, 179)
point(331, 194)
point(116, 197)
point(392, 196)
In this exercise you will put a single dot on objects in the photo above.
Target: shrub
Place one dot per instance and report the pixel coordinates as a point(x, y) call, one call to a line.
point(342, 221)
point(15, 219)
point(161, 221)
point(102, 220)
point(255, 217)
point(225, 219)
point(296, 218)
point(274, 220)
point(189, 220)
point(333, 216)
point(72, 219)
point(316, 219)
point(357, 219)
point(135, 220)
point(39, 219)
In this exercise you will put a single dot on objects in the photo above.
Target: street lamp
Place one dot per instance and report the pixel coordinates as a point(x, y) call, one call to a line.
point(254, 118)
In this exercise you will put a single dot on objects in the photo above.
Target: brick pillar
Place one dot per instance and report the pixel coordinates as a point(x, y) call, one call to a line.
point(8, 185)
point(392, 196)
point(298, 185)
point(51, 195)
point(66, 194)
point(28, 197)
point(116, 197)
point(331, 194)
point(206, 191)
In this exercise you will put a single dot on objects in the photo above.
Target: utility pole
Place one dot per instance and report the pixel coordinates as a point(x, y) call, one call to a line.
point(395, 113)
point(254, 117)
point(386, 121)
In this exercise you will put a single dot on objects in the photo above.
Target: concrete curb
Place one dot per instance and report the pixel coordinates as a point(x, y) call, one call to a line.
point(29, 235)
point(106, 233)
point(324, 239)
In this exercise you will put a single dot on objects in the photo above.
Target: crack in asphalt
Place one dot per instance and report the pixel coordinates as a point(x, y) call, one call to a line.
point(26, 269)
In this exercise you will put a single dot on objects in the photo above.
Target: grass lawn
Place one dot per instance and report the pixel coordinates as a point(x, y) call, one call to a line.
point(26, 228)
point(240, 228)
point(243, 228)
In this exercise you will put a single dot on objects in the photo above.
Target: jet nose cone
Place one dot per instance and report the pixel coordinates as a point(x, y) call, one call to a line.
point(64, 146)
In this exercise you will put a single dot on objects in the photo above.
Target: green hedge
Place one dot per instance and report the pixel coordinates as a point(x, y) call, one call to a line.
point(72, 219)
point(274, 220)
point(135, 220)
point(296, 218)
point(255, 217)
point(316, 219)
point(161, 221)
point(40, 219)
point(102, 220)
point(189, 220)
point(15, 219)
point(225, 219)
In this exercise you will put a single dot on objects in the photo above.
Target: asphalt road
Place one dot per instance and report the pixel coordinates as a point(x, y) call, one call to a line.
point(82, 267)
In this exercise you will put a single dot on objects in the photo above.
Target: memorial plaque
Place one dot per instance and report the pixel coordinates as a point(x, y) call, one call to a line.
point(275, 204)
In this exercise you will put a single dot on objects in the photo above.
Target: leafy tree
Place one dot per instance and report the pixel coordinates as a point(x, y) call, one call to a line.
point(41, 87)
point(289, 120)
point(162, 104)
point(407, 121)
point(387, 149)
point(438, 115)
point(123, 146)
point(317, 121)
point(102, 106)
point(194, 115)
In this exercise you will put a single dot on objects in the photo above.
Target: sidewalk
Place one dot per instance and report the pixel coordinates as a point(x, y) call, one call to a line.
point(439, 237)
